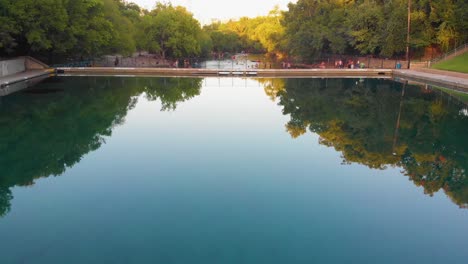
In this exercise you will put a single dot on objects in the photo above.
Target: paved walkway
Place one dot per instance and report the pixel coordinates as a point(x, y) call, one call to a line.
point(455, 80)
point(446, 73)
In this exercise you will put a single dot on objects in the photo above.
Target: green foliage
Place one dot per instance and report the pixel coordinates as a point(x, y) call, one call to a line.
point(373, 27)
point(313, 27)
point(309, 28)
point(89, 30)
point(225, 41)
point(256, 35)
point(97, 27)
point(171, 32)
point(42, 23)
point(269, 32)
point(460, 17)
point(206, 44)
point(123, 39)
point(393, 33)
point(365, 23)
point(241, 33)
point(82, 28)
point(8, 28)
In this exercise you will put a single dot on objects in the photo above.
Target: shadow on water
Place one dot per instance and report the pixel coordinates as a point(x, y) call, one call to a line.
point(50, 127)
point(380, 123)
point(42, 91)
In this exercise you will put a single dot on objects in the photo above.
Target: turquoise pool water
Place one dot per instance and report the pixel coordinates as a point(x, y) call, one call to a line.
point(174, 170)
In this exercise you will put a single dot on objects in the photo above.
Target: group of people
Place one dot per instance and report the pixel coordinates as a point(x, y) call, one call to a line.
point(350, 64)
point(286, 65)
point(185, 64)
point(260, 64)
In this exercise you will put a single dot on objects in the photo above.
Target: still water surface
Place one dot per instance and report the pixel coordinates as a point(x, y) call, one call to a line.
point(169, 170)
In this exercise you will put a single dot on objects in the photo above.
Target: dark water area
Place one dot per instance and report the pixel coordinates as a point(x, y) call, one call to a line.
point(221, 170)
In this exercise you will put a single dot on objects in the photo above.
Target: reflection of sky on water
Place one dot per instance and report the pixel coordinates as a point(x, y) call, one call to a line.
point(219, 180)
point(464, 112)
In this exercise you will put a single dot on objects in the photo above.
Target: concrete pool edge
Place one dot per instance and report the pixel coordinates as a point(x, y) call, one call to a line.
point(194, 72)
point(435, 79)
point(457, 83)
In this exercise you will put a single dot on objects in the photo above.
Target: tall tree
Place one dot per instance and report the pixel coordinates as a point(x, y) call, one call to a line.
point(42, 24)
point(366, 23)
point(171, 31)
point(8, 28)
point(123, 39)
point(90, 32)
point(313, 27)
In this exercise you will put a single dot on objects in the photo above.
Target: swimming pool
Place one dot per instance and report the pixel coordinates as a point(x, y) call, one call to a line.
point(232, 170)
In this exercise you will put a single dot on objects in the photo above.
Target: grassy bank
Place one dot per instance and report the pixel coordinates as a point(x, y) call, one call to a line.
point(457, 64)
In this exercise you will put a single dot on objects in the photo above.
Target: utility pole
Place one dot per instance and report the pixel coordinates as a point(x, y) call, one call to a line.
point(408, 34)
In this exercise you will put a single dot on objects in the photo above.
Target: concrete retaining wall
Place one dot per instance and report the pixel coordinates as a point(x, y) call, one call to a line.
point(21, 64)
point(9, 67)
point(33, 64)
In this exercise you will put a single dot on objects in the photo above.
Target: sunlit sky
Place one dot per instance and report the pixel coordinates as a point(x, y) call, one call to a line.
point(206, 10)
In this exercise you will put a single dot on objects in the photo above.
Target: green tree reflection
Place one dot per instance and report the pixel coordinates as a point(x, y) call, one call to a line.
point(380, 123)
point(46, 130)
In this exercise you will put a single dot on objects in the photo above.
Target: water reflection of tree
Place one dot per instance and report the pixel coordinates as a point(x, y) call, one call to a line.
point(372, 122)
point(172, 91)
point(47, 130)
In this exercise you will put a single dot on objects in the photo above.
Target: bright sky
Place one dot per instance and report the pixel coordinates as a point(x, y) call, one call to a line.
point(205, 10)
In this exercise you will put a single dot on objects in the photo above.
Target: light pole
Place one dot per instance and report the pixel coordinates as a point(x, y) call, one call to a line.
point(408, 34)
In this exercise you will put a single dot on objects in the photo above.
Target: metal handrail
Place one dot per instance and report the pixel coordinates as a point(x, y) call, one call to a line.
point(447, 54)
point(85, 63)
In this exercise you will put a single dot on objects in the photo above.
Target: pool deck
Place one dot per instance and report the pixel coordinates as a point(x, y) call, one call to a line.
point(453, 80)
point(194, 72)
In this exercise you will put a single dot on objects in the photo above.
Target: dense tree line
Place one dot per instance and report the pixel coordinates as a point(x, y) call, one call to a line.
point(373, 26)
point(58, 27)
point(262, 34)
point(309, 28)
point(171, 31)
point(89, 28)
